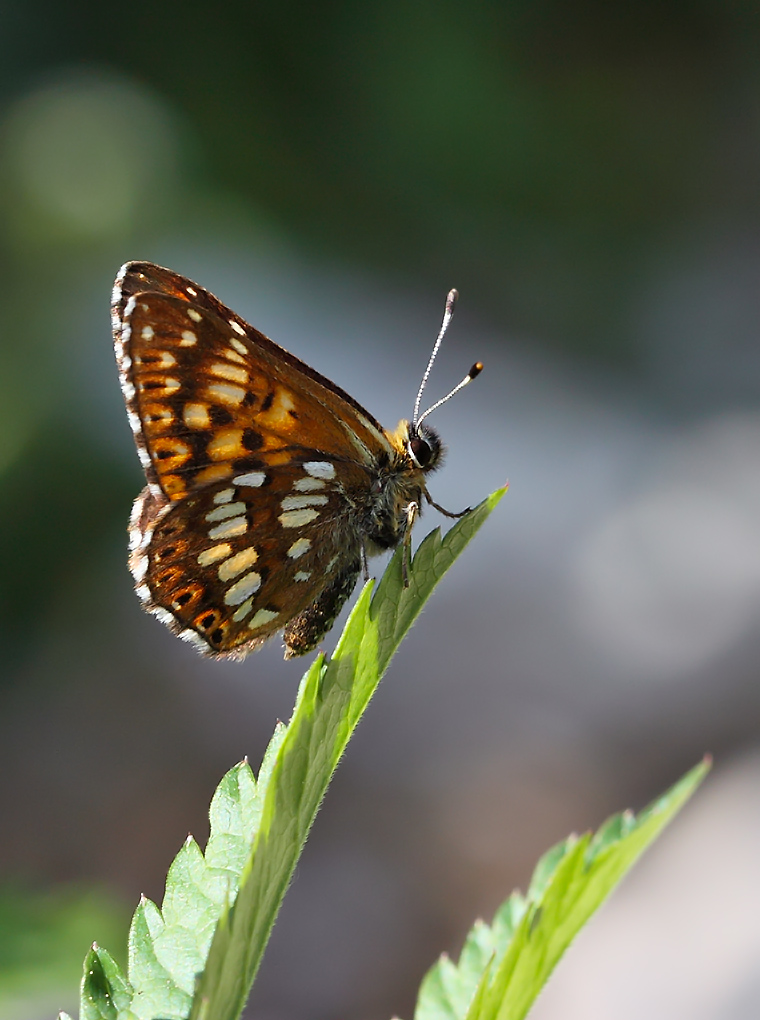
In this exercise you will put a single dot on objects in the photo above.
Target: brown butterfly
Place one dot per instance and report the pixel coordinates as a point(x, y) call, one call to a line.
point(268, 485)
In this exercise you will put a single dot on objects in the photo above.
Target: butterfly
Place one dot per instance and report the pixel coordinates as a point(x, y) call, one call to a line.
point(268, 486)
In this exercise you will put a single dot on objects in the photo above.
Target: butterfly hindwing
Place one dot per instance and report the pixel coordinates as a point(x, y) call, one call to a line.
point(232, 563)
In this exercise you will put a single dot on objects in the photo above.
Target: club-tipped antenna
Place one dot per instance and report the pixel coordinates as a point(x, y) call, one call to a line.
point(451, 301)
point(475, 371)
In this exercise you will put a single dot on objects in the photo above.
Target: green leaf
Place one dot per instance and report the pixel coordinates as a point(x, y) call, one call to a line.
point(199, 954)
point(105, 993)
point(168, 947)
point(503, 967)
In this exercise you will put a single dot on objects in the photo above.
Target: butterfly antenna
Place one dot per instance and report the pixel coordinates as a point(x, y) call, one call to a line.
point(474, 372)
point(451, 301)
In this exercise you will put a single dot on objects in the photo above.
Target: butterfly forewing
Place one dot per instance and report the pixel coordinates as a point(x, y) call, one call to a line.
point(209, 395)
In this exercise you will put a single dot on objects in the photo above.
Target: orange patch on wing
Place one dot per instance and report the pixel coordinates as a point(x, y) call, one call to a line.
point(213, 473)
point(227, 444)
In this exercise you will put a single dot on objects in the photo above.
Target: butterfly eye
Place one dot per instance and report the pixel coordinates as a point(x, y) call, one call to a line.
point(425, 448)
point(420, 451)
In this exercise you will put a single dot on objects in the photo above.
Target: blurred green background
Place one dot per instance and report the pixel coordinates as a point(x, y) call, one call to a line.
point(587, 174)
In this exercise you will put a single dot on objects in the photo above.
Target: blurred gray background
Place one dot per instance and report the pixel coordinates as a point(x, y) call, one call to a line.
point(587, 175)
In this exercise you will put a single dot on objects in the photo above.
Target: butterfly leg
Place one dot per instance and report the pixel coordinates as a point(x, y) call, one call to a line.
point(447, 513)
point(412, 512)
point(305, 631)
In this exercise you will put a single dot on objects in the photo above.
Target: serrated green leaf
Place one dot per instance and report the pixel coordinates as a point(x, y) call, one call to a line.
point(106, 993)
point(503, 968)
point(547, 867)
point(258, 827)
point(168, 947)
point(440, 990)
point(235, 814)
point(156, 991)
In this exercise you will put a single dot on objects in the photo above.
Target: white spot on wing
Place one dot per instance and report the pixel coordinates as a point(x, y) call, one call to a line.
point(299, 547)
point(194, 315)
point(243, 611)
point(214, 554)
point(297, 502)
point(238, 328)
point(226, 393)
point(302, 575)
point(239, 347)
point(224, 370)
point(240, 590)
point(237, 564)
point(308, 484)
point(147, 332)
point(229, 529)
point(224, 496)
point(297, 518)
point(252, 478)
point(228, 510)
point(319, 468)
point(262, 617)
point(196, 416)
point(189, 339)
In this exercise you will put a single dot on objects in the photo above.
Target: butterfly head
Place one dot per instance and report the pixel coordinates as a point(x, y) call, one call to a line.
point(419, 448)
